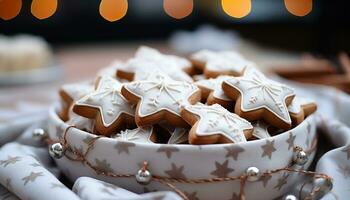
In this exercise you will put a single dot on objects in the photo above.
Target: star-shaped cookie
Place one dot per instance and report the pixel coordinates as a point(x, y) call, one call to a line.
point(214, 124)
point(214, 64)
point(258, 97)
point(160, 98)
point(107, 106)
point(261, 130)
point(212, 91)
point(147, 59)
point(300, 108)
point(141, 135)
point(70, 93)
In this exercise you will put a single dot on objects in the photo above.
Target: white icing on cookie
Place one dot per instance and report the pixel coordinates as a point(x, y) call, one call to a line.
point(214, 84)
point(227, 61)
point(160, 92)
point(261, 130)
point(215, 119)
point(142, 135)
point(178, 136)
point(297, 103)
point(108, 100)
point(257, 91)
point(80, 122)
point(111, 70)
point(142, 67)
point(77, 90)
point(147, 59)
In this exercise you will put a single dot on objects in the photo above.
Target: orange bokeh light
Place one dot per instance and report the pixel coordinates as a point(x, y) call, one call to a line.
point(237, 8)
point(9, 9)
point(43, 9)
point(113, 10)
point(299, 7)
point(178, 9)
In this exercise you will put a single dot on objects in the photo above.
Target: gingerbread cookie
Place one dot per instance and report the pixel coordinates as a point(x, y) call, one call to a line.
point(153, 54)
point(214, 124)
point(215, 64)
point(107, 106)
point(178, 136)
point(261, 130)
point(160, 98)
point(82, 123)
point(258, 97)
point(110, 70)
point(141, 135)
point(300, 108)
point(147, 59)
point(70, 93)
point(212, 92)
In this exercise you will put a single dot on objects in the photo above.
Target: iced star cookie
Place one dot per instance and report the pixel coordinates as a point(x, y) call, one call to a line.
point(82, 123)
point(107, 106)
point(258, 97)
point(261, 130)
point(141, 135)
point(212, 92)
point(159, 98)
point(178, 136)
point(70, 93)
point(147, 59)
point(214, 124)
point(300, 108)
point(154, 54)
point(215, 64)
point(110, 70)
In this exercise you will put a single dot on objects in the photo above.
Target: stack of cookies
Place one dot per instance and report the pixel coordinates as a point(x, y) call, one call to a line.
point(210, 98)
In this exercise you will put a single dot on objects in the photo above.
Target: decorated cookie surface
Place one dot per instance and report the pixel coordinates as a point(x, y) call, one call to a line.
point(70, 93)
point(258, 97)
point(146, 60)
point(178, 136)
point(142, 135)
point(212, 91)
point(220, 63)
point(160, 98)
point(261, 130)
point(214, 124)
point(110, 109)
point(300, 108)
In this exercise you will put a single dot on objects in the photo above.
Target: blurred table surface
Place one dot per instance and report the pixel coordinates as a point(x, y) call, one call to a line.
point(81, 62)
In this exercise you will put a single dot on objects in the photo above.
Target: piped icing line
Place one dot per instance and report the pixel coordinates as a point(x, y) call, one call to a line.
point(108, 100)
point(160, 89)
point(215, 119)
point(142, 135)
point(264, 89)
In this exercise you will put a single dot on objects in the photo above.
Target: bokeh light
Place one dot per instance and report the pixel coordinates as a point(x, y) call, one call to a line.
point(298, 7)
point(113, 10)
point(178, 9)
point(9, 9)
point(237, 8)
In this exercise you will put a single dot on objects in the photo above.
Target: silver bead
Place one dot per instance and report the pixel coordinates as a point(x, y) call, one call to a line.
point(325, 185)
point(143, 176)
point(39, 134)
point(253, 174)
point(56, 150)
point(290, 197)
point(300, 157)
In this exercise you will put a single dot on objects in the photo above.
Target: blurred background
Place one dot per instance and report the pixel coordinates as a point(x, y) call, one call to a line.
point(324, 30)
point(80, 42)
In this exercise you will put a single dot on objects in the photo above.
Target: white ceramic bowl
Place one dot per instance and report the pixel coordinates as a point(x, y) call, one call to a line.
point(190, 161)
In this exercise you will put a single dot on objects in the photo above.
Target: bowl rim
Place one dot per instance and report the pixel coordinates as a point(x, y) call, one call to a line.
point(53, 115)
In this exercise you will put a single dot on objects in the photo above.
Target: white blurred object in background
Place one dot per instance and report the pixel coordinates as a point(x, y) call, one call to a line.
point(205, 37)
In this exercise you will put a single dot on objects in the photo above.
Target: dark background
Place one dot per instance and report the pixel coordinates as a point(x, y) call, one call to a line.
point(325, 30)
